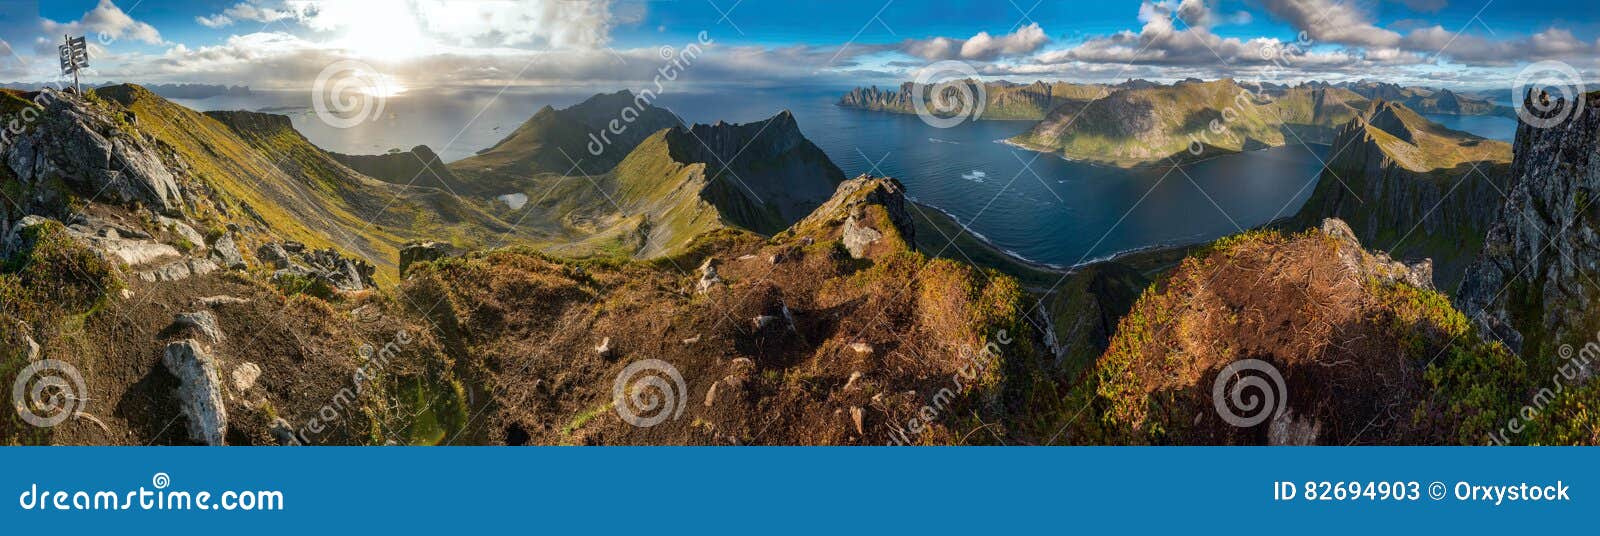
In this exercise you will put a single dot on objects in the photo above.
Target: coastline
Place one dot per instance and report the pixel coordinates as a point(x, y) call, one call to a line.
point(977, 249)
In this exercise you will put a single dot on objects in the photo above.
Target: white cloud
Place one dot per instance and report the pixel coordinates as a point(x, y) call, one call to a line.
point(1473, 49)
point(108, 20)
point(550, 23)
point(253, 12)
point(982, 47)
point(1161, 42)
point(1332, 21)
point(214, 21)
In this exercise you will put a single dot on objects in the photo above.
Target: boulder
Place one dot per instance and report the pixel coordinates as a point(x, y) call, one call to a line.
point(416, 252)
point(273, 255)
point(202, 322)
point(857, 237)
point(245, 376)
point(183, 230)
point(226, 253)
point(343, 273)
point(708, 276)
point(178, 270)
point(199, 390)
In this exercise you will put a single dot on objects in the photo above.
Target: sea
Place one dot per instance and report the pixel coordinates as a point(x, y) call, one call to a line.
point(1039, 207)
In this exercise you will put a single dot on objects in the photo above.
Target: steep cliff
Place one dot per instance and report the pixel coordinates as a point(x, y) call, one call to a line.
point(1003, 100)
point(586, 138)
point(1411, 186)
point(1533, 283)
point(418, 167)
point(680, 183)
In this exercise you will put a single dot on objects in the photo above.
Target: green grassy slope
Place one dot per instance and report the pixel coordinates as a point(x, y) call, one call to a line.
point(262, 173)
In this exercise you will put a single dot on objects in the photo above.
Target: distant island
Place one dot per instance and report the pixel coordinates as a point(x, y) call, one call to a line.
point(170, 91)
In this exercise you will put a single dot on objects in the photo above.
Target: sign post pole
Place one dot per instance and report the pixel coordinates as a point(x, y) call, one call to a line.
point(74, 57)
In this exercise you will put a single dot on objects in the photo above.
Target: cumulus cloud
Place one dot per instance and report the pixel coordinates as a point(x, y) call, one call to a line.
point(1332, 21)
point(257, 13)
point(1466, 48)
point(1198, 13)
point(282, 60)
point(214, 21)
point(1161, 42)
point(980, 47)
point(108, 20)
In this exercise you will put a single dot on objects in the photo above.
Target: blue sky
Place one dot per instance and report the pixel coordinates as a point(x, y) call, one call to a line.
point(420, 43)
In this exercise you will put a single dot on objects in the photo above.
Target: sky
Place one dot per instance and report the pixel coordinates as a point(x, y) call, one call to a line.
point(287, 44)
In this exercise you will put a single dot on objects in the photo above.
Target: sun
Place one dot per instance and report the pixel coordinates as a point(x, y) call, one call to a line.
point(378, 30)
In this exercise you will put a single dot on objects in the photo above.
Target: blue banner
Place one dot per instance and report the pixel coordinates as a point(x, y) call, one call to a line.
point(796, 490)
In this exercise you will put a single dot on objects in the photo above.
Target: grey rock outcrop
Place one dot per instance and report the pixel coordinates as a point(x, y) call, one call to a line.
point(1376, 265)
point(848, 209)
point(1416, 214)
point(856, 237)
point(178, 270)
point(199, 391)
point(83, 146)
point(326, 265)
point(416, 252)
point(1544, 248)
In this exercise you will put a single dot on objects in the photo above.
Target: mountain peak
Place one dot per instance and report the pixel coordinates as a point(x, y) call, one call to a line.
point(754, 141)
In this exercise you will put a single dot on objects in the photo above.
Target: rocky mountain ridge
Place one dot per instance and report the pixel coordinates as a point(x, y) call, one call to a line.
point(1003, 100)
point(1416, 189)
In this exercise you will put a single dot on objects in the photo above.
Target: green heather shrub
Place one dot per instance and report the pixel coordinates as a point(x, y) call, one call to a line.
point(53, 271)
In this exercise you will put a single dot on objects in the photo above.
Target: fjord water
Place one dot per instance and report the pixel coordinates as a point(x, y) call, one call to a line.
point(1037, 206)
